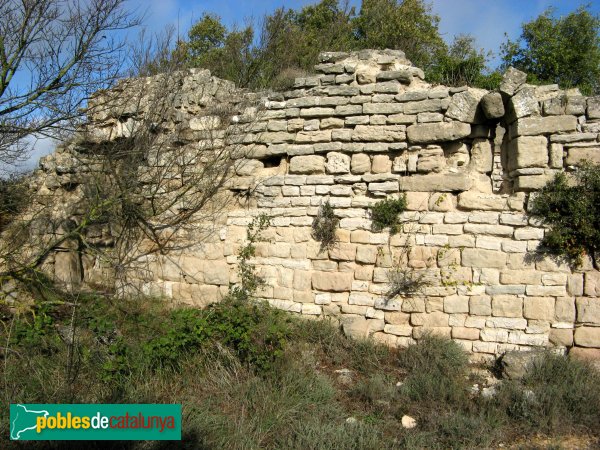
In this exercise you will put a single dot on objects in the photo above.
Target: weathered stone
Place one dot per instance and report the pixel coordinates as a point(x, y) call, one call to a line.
point(588, 310)
point(538, 308)
point(507, 306)
point(492, 105)
point(436, 182)
point(369, 133)
point(308, 164)
point(593, 107)
point(530, 126)
point(482, 156)
point(575, 155)
point(479, 201)
point(523, 103)
point(475, 257)
point(512, 80)
point(337, 163)
point(587, 337)
point(464, 106)
point(515, 364)
point(528, 151)
point(592, 284)
point(437, 132)
point(381, 164)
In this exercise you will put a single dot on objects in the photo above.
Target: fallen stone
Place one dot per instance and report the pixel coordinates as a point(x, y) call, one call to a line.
point(408, 422)
point(514, 364)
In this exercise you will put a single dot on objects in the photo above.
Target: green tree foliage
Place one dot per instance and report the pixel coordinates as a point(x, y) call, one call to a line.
point(569, 206)
point(563, 50)
point(463, 64)
point(407, 25)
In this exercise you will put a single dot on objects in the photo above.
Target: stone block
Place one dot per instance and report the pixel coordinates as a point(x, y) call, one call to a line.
point(480, 201)
point(360, 163)
point(575, 155)
point(337, 163)
point(528, 151)
point(456, 304)
point(332, 281)
point(471, 334)
point(561, 337)
point(538, 308)
point(437, 132)
point(507, 306)
point(564, 310)
point(492, 105)
point(370, 133)
point(531, 126)
point(447, 182)
point(465, 107)
point(476, 257)
point(512, 80)
point(309, 164)
point(588, 310)
point(482, 156)
point(587, 337)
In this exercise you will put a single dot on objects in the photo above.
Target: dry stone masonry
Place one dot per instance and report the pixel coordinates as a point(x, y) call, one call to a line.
point(366, 127)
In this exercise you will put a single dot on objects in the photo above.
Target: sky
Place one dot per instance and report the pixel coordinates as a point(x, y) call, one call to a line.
point(486, 20)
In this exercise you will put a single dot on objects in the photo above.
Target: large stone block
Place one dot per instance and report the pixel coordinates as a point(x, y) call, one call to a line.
point(531, 126)
point(507, 306)
point(437, 132)
point(588, 310)
point(482, 157)
point(308, 164)
point(523, 103)
point(592, 284)
point(477, 257)
point(479, 201)
point(538, 308)
point(447, 182)
point(512, 80)
point(332, 281)
point(370, 133)
point(577, 154)
point(360, 163)
point(587, 337)
point(465, 107)
point(528, 151)
point(492, 105)
point(337, 163)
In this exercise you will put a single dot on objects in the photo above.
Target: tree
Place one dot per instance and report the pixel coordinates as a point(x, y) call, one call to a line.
point(407, 25)
point(463, 64)
point(53, 55)
point(569, 206)
point(563, 50)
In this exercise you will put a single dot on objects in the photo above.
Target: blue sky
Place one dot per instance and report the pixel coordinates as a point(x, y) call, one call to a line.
point(487, 20)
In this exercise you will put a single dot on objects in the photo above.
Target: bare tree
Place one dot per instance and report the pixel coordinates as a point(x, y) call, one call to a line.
point(53, 55)
point(142, 181)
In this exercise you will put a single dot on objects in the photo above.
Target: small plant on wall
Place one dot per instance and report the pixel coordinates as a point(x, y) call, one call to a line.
point(324, 226)
point(385, 213)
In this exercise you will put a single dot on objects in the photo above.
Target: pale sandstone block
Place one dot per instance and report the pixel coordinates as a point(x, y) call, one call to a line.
point(588, 310)
point(494, 335)
point(483, 258)
point(592, 284)
point(456, 304)
point(561, 337)
point(381, 164)
point(471, 334)
point(564, 309)
point(480, 305)
point(587, 337)
point(475, 322)
point(540, 308)
point(507, 306)
point(332, 281)
point(398, 330)
point(343, 252)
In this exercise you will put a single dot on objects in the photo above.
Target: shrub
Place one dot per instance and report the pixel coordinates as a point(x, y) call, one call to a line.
point(324, 226)
point(436, 371)
point(385, 213)
point(556, 395)
point(569, 206)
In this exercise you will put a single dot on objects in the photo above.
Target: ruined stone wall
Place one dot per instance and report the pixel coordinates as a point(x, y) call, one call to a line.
point(366, 127)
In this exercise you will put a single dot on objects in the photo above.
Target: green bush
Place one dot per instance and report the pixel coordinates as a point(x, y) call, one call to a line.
point(557, 394)
point(385, 213)
point(324, 226)
point(569, 206)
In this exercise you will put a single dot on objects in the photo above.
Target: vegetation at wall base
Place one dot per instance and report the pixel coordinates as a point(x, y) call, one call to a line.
point(250, 376)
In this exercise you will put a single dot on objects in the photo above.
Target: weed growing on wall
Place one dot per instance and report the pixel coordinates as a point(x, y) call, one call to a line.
point(324, 226)
point(250, 281)
point(385, 213)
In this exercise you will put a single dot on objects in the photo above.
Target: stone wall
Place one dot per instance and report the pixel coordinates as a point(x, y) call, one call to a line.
point(366, 127)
